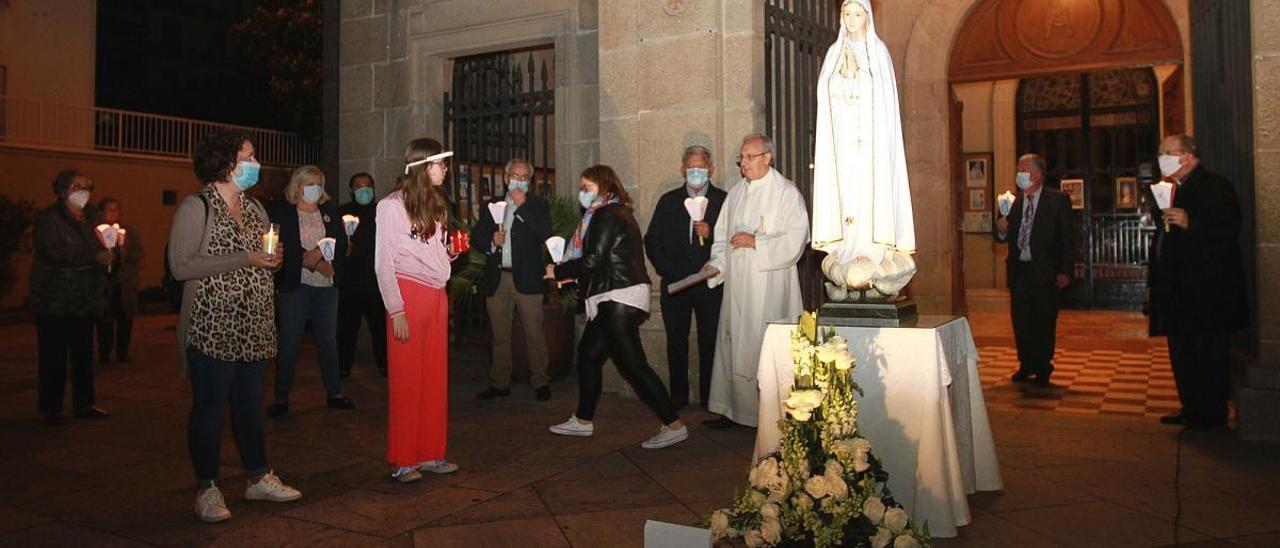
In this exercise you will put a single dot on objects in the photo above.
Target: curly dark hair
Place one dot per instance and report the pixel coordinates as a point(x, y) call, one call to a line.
point(216, 155)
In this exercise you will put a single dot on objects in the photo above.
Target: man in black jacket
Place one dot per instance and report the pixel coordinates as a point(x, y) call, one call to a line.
point(1042, 257)
point(513, 279)
point(678, 247)
point(1197, 283)
point(359, 297)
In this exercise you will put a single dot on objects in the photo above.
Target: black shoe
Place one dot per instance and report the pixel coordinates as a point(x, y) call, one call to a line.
point(542, 394)
point(1022, 376)
point(1175, 418)
point(719, 423)
point(1042, 381)
point(91, 412)
point(341, 402)
point(54, 419)
point(277, 410)
point(491, 393)
point(1204, 425)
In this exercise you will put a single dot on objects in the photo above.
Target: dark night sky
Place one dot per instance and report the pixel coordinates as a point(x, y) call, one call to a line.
point(175, 57)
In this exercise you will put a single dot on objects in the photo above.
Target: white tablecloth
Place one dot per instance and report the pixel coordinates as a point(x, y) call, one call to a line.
point(922, 411)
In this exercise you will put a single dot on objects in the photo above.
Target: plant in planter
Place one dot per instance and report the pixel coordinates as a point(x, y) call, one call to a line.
point(565, 216)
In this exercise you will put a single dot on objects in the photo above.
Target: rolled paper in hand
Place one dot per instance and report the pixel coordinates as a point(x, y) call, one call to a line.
point(109, 234)
point(1163, 193)
point(1005, 202)
point(327, 247)
point(271, 239)
point(555, 245)
point(697, 208)
point(349, 224)
point(498, 210)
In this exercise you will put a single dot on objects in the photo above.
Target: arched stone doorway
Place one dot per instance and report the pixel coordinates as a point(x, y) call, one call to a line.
point(1091, 35)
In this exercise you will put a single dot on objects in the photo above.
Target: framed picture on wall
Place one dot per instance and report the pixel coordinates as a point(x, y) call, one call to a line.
point(978, 199)
point(1075, 189)
point(1126, 192)
point(977, 169)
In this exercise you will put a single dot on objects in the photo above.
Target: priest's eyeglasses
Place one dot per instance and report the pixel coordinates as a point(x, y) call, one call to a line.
point(749, 157)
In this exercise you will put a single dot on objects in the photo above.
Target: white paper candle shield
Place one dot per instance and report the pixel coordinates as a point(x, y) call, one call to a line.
point(109, 234)
point(349, 223)
point(697, 207)
point(327, 247)
point(498, 210)
point(120, 236)
point(555, 245)
point(1163, 192)
point(1006, 203)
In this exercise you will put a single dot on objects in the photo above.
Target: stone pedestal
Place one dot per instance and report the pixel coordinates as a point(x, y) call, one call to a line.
point(894, 313)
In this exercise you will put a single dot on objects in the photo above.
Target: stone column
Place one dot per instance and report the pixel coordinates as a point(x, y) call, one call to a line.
point(674, 74)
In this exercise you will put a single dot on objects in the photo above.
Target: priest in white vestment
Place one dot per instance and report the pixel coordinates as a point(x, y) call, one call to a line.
point(759, 238)
point(861, 200)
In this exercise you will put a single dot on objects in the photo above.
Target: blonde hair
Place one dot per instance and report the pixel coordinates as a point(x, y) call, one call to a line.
point(424, 204)
point(301, 176)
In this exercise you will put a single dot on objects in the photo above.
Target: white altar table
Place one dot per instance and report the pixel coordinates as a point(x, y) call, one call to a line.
point(922, 411)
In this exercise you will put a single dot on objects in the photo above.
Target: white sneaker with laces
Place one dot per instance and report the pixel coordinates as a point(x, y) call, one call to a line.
point(572, 427)
point(666, 437)
point(406, 474)
point(438, 466)
point(271, 488)
point(210, 506)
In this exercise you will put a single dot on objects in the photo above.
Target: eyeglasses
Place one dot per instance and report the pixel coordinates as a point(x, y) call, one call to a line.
point(749, 157)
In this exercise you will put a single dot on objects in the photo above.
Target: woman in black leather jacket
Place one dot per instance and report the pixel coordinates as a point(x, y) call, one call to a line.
point(606, 258)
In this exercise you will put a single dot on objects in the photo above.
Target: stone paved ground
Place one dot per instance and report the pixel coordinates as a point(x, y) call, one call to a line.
point(1069, 479)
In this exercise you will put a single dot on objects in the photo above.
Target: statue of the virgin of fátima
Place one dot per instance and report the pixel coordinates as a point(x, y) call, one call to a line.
point(861, 201)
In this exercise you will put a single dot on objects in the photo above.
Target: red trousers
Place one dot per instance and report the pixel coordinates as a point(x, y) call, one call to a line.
point(418, 378)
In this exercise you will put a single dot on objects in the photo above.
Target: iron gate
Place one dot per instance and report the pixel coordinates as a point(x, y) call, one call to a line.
point(797, 35)
point(501, 107)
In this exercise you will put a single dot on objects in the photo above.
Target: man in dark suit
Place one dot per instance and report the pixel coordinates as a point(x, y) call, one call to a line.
point(678, 247)
point(1042, 258)
point(359, 298)
point(513, 279)
point(1197, 283)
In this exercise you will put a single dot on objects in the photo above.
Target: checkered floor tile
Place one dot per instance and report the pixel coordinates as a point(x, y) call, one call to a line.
point(1085, 382)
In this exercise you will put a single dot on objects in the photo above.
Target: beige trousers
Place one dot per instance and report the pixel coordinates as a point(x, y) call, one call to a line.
point(502, 307)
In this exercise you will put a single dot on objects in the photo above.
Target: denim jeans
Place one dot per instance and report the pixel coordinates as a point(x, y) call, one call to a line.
point(214, 383)
point(320, 304)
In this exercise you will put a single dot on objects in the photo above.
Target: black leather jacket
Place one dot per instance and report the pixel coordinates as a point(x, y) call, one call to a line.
point(612, 254)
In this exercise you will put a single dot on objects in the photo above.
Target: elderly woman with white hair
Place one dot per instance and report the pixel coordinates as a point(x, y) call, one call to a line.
point(307, 284)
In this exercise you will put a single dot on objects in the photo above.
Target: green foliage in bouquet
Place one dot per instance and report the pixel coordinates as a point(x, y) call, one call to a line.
point(566, 214)
point(463, 285)
point(823, 487)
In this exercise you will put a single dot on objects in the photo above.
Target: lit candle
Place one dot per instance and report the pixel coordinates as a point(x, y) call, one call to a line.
point(271, 239)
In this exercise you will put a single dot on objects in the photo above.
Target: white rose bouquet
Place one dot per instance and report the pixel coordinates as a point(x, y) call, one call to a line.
point(824, 487)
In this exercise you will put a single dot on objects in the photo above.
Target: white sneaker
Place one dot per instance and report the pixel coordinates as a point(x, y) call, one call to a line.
point(271, 488)
point(572, 427)
point(210, 506)
point(666, 437)
point(406, 474)
point(437, 466)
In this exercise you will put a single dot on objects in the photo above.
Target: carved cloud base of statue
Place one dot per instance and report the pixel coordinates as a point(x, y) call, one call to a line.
point(863, 279)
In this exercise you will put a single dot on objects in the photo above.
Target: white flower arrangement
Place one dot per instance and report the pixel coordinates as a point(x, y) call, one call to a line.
point(823, 487)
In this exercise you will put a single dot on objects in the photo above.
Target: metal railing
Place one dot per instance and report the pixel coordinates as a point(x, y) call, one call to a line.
point(1121, 246)
point(43, 125)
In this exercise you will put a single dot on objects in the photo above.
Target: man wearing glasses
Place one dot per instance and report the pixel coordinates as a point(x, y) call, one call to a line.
point(758, 239)
point(513, 279)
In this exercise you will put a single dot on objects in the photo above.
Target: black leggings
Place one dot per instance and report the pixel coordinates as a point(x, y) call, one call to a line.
point(615, 333)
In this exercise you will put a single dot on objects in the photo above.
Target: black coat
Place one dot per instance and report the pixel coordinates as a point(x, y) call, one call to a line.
point(358, 270)
point(530, 229)
point(1197, 275)
point(1053, 248)
point(66, 280)
point(289, 277)
point(612, 254)
point(667, 243)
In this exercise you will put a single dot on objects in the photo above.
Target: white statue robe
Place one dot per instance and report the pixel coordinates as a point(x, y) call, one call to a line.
point(761, 285)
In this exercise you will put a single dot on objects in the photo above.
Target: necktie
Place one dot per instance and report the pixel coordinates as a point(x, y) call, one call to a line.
point(1024, 231)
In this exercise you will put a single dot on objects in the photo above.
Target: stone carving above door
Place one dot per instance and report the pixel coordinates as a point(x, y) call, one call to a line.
point(1014, 38)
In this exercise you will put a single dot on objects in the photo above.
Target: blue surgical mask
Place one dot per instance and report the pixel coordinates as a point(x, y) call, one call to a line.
point(1023, 179)
point(248, 175)
point(364, 195)
point(517, 184)
point(697, 177)
point(311, 194)
point(586, 198)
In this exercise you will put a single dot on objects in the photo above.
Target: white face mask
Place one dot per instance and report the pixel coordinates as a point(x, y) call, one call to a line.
point(1023, 179)
point(1169, 164)
point(311, 194)
point(78, 199)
